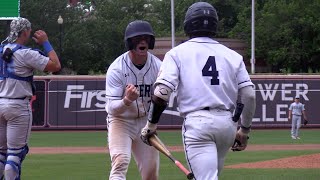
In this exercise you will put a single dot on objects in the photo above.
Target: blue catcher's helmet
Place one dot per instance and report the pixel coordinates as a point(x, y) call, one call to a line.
point(201, 17)
point(137, 28)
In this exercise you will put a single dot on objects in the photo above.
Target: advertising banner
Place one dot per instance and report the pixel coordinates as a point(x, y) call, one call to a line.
point(274, 96)
point(81, 103)
point(76, 103)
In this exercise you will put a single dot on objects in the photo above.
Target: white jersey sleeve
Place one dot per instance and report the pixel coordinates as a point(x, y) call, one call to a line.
point(32, 56)
point(243, 77)
point(171, 69)
point(114, 84)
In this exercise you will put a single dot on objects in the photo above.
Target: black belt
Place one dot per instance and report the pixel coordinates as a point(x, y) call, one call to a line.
point(23, 98)
point(208, 108)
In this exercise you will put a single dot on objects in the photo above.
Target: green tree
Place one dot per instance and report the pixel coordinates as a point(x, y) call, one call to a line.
point(44, 14)
point(286, 33)
point(227, 12)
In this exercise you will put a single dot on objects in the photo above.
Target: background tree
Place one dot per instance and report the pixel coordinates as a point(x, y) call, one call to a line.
point(287, 33)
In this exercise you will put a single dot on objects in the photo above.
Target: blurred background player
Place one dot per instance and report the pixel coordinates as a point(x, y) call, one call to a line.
point(129, 89)
point(296, 110)
point(16, 89)
point(209, 79)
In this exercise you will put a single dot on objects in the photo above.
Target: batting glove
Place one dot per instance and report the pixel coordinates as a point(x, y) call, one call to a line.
point(147, 131)
point(241, 140)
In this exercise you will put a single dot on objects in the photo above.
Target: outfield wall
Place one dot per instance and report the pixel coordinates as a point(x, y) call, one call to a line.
point(78, 102)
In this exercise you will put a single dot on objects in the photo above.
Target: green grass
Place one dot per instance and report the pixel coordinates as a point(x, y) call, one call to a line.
point(276, 136)
point(68, 138)
point(254, 156)
point(97, 166)
point(99, 138)
point(86, 167)
point(270, 174)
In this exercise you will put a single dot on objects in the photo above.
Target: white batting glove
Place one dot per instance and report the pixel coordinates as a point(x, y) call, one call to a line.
point(241, 140)
point(147, 131)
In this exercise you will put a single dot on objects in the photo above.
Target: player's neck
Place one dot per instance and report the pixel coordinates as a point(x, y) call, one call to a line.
point(137, 59)
point(20, 41)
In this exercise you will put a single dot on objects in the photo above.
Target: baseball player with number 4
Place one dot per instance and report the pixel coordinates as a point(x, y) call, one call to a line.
point(210, 79)
point(128, 90)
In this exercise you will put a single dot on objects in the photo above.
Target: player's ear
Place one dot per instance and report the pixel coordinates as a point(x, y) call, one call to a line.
point(129, 44)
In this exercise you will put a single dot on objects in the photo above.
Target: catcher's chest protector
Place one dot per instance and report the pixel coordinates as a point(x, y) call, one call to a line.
point(6, 62)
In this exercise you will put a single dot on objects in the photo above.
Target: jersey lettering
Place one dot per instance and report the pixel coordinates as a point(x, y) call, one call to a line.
point(144, 90)
point(210, 69)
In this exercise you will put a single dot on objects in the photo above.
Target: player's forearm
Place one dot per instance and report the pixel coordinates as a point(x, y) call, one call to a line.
point(248, 98)
point(304, 114)
point(158, 102)
point(157, 106)
point(117, 107)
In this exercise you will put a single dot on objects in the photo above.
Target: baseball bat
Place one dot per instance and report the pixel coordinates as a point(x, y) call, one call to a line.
point(158, 144)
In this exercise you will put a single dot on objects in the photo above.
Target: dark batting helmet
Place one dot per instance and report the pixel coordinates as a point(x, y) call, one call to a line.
point(201, 17)
point(137, 28)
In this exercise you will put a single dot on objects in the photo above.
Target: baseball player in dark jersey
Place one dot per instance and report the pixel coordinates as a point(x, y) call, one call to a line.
point(129, 89)
point(209, 79)
point(16, 89)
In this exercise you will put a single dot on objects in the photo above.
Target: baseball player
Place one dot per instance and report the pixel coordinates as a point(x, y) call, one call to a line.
point(209, 79)
point(129, 89)
point(16, 77)
point(296, 110)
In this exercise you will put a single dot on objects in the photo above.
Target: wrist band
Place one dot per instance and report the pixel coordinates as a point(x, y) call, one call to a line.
point(245, 128)
point(47, 47)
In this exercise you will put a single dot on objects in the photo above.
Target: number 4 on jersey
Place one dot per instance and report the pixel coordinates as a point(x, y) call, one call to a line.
point(210, 69)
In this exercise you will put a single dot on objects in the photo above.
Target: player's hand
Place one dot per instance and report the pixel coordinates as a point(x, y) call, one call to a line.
point(40, 37)
point(305, 121)
point(241, 140)
point(131, 94)
point(147, 131)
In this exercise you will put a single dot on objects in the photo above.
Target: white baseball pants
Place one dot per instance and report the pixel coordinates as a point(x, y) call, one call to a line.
point(124, 138)
point(15, 128)
point(295, 126)
point(207, 137)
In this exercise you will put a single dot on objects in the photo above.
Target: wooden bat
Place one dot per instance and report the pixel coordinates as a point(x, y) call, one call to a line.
point(158, 144)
